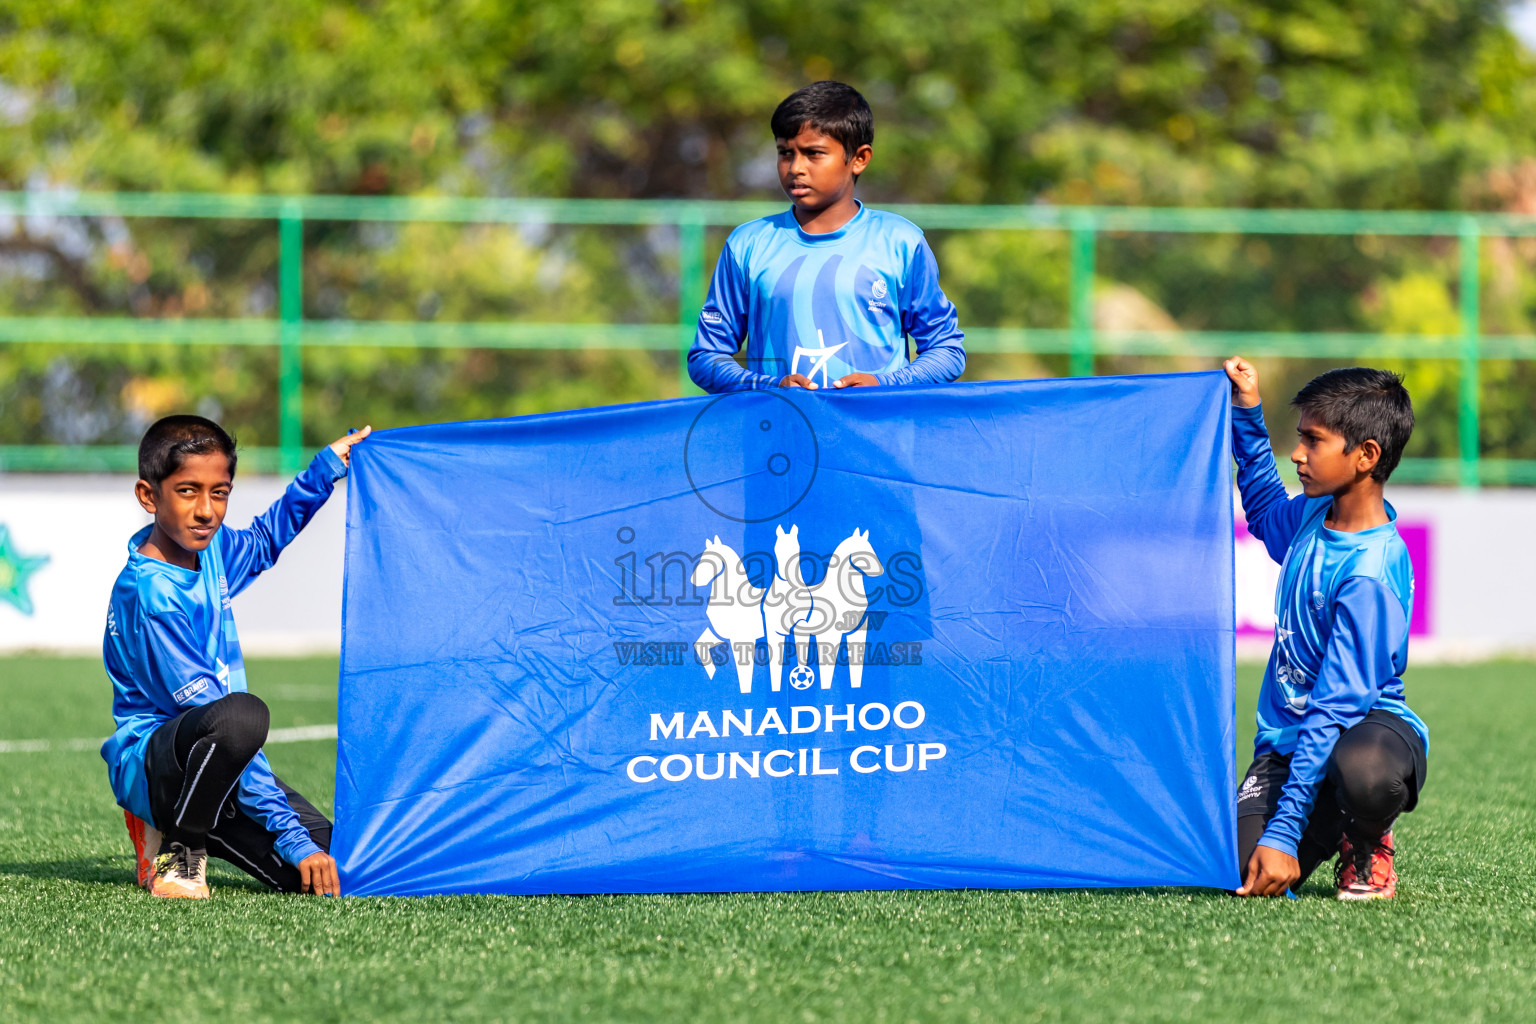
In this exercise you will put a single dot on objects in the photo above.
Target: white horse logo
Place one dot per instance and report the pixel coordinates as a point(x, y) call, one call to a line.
point(787, 605)
point(840, 603)
point(735, 609)
point(788, 610)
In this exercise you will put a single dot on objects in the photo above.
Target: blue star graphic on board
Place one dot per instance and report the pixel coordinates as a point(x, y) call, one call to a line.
point(14, 571)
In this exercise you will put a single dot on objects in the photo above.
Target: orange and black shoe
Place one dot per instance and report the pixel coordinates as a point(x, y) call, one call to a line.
point(1365, 869)
point(181, 873)
point(146, 843)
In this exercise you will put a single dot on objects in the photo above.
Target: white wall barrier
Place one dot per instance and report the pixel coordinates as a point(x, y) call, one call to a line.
point(63, 540)
point(81, 525)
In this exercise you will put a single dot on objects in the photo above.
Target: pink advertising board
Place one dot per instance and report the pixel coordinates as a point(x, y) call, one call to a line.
point(1257, 576)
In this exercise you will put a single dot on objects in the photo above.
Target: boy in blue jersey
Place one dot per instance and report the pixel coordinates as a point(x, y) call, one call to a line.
point(1338, 755)
point(185, 762)
point(827, 292)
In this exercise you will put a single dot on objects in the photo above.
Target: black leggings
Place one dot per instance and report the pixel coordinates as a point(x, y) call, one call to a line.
point(1371, 779)
point(194, 762)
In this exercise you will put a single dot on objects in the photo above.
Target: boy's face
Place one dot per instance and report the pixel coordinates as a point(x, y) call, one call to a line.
point(815, 172)
point(189, 505)
point(1322, 464)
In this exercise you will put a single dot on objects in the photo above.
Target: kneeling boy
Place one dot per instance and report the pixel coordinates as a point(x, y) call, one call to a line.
point(1338, 753)
point(185, 762)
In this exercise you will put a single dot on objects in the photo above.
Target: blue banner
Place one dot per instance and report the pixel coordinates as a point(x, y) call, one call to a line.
point(977, 635)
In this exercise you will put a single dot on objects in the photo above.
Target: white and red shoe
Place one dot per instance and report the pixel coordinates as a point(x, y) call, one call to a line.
point(1365, 870)
point(181, 872)
point(146, 844)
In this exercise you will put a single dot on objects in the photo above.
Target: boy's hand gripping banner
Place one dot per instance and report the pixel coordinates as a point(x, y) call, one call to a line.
point(977, 635)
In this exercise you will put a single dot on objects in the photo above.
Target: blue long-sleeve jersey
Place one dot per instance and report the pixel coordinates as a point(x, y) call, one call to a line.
point(171, 645)
point(826, 306)
point(1342, 609)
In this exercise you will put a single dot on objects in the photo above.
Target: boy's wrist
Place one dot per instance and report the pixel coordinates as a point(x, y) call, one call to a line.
point(305, 847)
point(332, 462)
point(1285, 846)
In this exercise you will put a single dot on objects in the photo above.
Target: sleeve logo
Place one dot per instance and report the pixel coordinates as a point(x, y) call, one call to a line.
point(191, 690)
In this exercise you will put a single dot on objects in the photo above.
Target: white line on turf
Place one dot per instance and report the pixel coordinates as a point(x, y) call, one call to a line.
point(296, 734)
point(299, 733)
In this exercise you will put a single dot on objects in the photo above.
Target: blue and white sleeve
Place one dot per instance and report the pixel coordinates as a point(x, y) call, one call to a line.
point(722, 328)
point(1368, 627)
point(252, 551)
point(1273, 515)
point(933, 324)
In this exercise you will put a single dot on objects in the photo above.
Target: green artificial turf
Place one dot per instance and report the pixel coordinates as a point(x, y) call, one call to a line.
point(79, 942)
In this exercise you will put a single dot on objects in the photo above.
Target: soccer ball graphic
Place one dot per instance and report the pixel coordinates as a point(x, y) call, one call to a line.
point(801, 678)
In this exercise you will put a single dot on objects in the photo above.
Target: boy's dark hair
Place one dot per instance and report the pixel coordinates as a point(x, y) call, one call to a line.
point(169, 441)
point(1362, 404)
point(832, 108)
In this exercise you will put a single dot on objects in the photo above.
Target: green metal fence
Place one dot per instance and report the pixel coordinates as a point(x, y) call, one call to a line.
point(292, 333)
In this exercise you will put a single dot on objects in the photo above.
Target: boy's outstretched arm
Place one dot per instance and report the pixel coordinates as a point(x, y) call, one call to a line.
point(260, 797)
point(933, 324)
point(251, 551)
point(722, 327)
point(1273, 516)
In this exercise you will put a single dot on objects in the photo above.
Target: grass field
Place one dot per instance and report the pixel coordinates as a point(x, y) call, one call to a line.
point(79, 941)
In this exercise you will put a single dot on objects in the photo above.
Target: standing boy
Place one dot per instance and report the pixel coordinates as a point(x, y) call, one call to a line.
point(185, 762)
point(827, 292)
point(1338, 755)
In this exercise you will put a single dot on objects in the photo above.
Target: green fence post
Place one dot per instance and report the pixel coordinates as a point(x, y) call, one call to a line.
point(690, 291)
point(290, 363)
point(1468, 412)
point(1084, 235)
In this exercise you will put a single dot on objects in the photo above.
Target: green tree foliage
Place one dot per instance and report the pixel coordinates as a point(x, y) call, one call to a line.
point(1382, 104)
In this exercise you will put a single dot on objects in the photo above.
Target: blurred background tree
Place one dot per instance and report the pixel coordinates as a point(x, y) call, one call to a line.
point(1369, 104)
